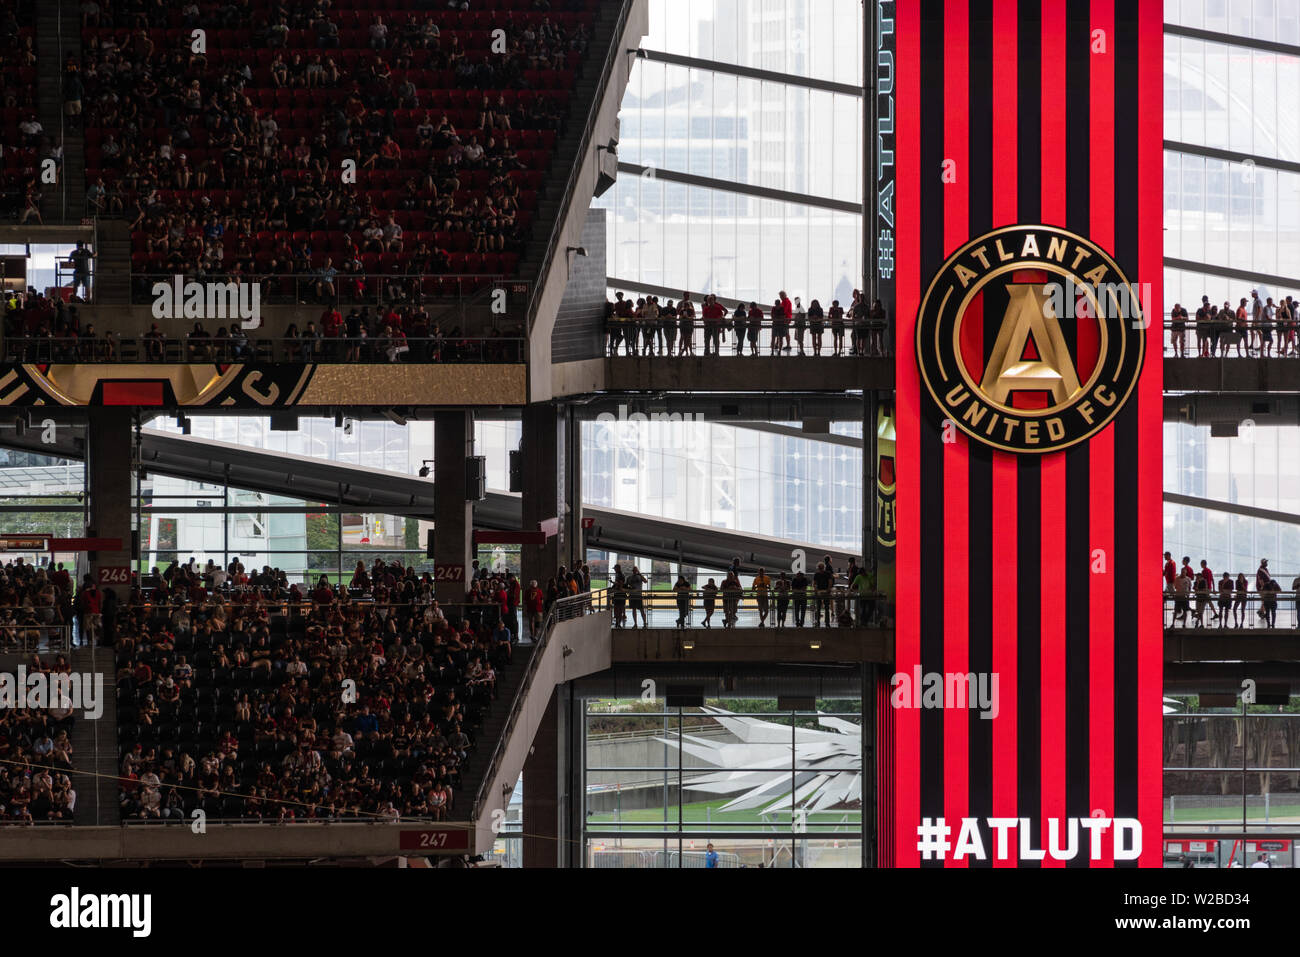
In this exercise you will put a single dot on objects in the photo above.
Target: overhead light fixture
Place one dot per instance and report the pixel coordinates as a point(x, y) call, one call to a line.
point(815, 644)
point(688, 644)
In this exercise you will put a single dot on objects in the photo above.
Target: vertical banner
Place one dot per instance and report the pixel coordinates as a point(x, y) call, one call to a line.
point(1027, 698)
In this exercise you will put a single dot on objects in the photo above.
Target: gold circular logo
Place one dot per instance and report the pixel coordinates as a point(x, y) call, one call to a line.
point(1030, 339)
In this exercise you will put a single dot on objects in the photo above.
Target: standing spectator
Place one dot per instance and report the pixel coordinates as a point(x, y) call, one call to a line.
point(799, 589)
point(739, 321)
point(636, 601)
point(72, 90)
point(800, 324)
point(710, 592)
point(878, 322)
point(1178, 326)
point(81, 257)
point(1241, 601)
point(753, 326)
point(1262, 578)
point(762, 592)
point(1295, 596)
point(782, 588)
point(88, 610)
point(1182, 596)
point(816, 325)
point(714, 317)
point(823, 580)
point(863, 586)
point(683, 592)
point(732, 592)
point(534, 601)
point(686, 326)
point(1268, 602)
point(1225, 599)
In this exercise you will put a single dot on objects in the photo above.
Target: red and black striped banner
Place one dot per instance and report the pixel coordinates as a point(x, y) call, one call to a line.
point(1029, 139)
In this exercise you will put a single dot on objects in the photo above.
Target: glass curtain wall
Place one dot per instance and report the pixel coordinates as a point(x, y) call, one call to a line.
point(765, 787)
point(1231, 772)
point(750, 134)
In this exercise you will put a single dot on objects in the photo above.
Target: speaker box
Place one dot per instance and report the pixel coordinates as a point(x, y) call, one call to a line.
point(516, 471)
point(475, 478)
point(679, 697)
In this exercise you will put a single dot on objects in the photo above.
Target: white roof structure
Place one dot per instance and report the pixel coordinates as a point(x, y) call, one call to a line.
point(828, 775)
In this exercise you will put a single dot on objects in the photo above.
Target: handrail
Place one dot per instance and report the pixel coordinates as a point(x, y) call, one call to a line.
point(376, 350)
point(571, 187)
point(566, 609)
point(1246, 604)
point(1218, 335)
point(636, 338)
point(50, 639)
point(302, 608)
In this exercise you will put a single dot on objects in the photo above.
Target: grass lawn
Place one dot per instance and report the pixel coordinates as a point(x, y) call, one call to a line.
point(706, 812)
point(1277, 813)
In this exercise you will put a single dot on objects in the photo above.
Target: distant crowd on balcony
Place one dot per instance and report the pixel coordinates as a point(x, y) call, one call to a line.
point(649, 327)
point(38, 328)
point(1198, 600)
point(1256, 327)
point(845, 599)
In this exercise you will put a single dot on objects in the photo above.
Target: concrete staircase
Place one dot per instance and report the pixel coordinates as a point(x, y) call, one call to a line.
point(112, 268)
point(58, 36)
point(487, 736)
point(94, 745)
point(567, 143)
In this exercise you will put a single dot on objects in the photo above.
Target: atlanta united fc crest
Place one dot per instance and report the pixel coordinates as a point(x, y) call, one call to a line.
point(1031, 339)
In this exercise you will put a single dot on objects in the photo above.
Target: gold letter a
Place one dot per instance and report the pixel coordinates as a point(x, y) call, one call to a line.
point(1030, 314)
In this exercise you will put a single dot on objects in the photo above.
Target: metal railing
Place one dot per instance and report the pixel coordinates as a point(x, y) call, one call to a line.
point(1242, 611)
point(344, 289)
point(333, 350)
point(35, 638)
point(306, 608)
point(665, 338)
point(745, 608)
point(1222, 339)
point(589, 123)
point(565, 609)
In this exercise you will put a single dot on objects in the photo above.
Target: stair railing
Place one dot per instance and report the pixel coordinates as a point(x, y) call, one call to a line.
point(571, 186)
point(566, 609)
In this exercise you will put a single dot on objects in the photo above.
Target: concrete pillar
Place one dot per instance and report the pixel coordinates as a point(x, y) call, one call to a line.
point(541, 792)
point(453, 536)
point(110, 437)
point(573, 488)
point(545, 484)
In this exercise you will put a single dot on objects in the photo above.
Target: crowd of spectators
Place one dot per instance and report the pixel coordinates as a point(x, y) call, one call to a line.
point(253, 698)
point(24, 142)
point(33, 600)
point(38, 328)
point(1198, 600)
point(1255, 328)
point(313, 141)
point(36, 758)
point(651, 328)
